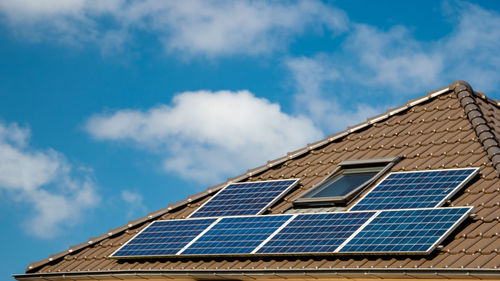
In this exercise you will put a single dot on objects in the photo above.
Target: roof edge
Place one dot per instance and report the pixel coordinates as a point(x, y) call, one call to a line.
point(197, 273)
point(270, 164)
point(488, 140)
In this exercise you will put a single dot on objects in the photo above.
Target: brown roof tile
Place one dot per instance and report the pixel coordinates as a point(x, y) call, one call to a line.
point(446, 129)
point(494, 262)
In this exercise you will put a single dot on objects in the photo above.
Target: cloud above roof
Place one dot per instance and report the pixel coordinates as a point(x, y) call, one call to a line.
point(210, 28)
point(205, 135)
point(391, 59)
point(311, 77)
point(44, 181)
point(209, 135)
point(384, 63)
point(374, 61)
point(134, 200)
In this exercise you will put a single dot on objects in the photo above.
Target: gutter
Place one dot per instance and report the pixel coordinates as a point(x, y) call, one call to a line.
point(441, 273)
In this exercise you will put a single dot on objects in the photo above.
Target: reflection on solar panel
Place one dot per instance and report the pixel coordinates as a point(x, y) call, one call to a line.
point(315, 233)
point(423, 189)
point(250, 198)
point(163, 238)
point(236, 235)
point(411, 231)
point(403, 220)
point(406, 231)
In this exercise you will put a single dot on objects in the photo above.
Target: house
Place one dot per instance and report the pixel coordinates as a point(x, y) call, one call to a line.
point(454, 128)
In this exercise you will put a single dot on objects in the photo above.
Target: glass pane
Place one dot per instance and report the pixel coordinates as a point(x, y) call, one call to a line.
point(341, 185)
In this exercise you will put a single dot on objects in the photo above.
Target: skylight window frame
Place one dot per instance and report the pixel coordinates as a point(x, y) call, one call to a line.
point(349, 197)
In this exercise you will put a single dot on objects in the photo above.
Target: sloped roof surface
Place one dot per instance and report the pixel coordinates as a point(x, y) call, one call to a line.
point(442, 132)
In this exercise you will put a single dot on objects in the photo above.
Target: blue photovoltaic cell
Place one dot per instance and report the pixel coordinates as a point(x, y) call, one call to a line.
point(243, 199)
point(238, 235)
point(409, 190)
point(406, 231)
point(315, 233)
point(163, 238)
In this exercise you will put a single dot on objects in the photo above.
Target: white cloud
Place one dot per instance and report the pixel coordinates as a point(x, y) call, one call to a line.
point(241, 27)
point(135, 202)
point(369, 60)
point(396, 60)
point(43, 180)
point(393, 63)
point(35, 9)
point(206, 135)
point(471, 50)
point(318, 100)
point(189, 27)
point(392, 59)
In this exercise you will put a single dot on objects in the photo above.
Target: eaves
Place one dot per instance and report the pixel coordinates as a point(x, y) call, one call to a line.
point(292, 273)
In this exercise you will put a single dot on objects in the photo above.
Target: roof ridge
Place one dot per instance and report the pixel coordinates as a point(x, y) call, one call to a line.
point(251, 172)
point(488, 140)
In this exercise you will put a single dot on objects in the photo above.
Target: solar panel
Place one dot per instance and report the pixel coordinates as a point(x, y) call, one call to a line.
point(416, 231)
point(163, 238)
point(315, 233)
point(408, 190)
point(403, 220)
point(250, 198)
point(236, 235)
point(410, 231)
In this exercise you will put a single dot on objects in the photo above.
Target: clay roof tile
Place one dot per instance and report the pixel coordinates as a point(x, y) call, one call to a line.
point(452, 127)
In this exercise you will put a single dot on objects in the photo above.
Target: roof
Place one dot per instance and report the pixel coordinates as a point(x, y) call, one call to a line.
point(454, 127)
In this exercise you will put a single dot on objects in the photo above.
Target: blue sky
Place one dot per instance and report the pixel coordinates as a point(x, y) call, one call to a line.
point(110, 110)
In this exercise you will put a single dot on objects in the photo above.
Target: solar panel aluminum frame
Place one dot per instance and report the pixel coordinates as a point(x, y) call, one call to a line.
point(336, 252)
point(160, 256)
point(440, 203)
point(428, 251)
point(311, 254)
point(216, 220)
point(276, 199)
point(285, 223)
point(125, 244)
point(254, 253)
point(179, 254)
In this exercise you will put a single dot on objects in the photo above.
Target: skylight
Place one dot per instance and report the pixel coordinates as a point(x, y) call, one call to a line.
point(343, 183)
point(348, 180)
point(378, 228)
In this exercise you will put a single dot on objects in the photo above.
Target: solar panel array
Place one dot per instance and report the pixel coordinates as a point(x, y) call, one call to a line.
point(406, 231)
point(236, 235)
point(239, 199)
point(371, 226)
point(408, 190)
point(163, 238)
point(395, 231)
point(315, 233)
